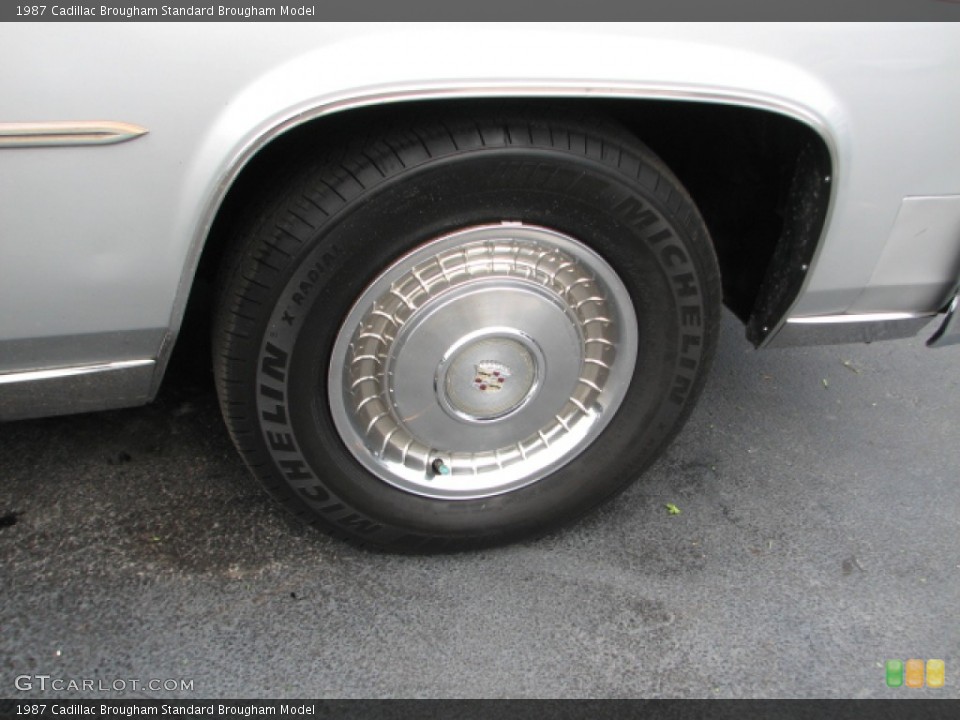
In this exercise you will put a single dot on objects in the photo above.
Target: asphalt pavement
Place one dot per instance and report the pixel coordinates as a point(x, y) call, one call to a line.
point(817, 539)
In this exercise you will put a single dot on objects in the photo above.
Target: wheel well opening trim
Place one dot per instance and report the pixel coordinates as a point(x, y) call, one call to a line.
point(547, 90)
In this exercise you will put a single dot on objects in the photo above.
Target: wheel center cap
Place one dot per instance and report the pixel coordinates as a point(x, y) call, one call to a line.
point(489, 374)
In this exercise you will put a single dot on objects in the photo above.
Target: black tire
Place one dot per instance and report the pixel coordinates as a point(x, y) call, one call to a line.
point(333, 227)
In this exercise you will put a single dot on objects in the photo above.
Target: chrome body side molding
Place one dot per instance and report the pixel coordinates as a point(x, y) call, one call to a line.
point(76, 389)
point(19, 358)
point(843, 329)
point(47, 134)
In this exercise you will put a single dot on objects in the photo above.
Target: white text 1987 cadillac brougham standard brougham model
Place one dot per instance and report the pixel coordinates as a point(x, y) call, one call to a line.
point(466, 279)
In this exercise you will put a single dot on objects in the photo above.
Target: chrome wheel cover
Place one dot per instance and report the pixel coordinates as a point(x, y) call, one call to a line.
point(482, 361)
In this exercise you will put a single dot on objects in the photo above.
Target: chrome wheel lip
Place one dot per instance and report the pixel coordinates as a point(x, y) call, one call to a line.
point(381, 439)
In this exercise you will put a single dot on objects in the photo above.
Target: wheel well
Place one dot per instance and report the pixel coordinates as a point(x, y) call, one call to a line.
point(757, 178)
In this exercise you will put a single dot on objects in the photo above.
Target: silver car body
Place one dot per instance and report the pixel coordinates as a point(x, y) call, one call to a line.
point(119, 141)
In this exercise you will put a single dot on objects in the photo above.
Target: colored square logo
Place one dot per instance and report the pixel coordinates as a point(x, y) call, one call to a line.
point(935, 673)
point(894, 673)
point(914, 673)
point(911, 673)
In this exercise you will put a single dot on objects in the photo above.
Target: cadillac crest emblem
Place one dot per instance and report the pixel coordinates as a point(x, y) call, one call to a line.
point(490, 376)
